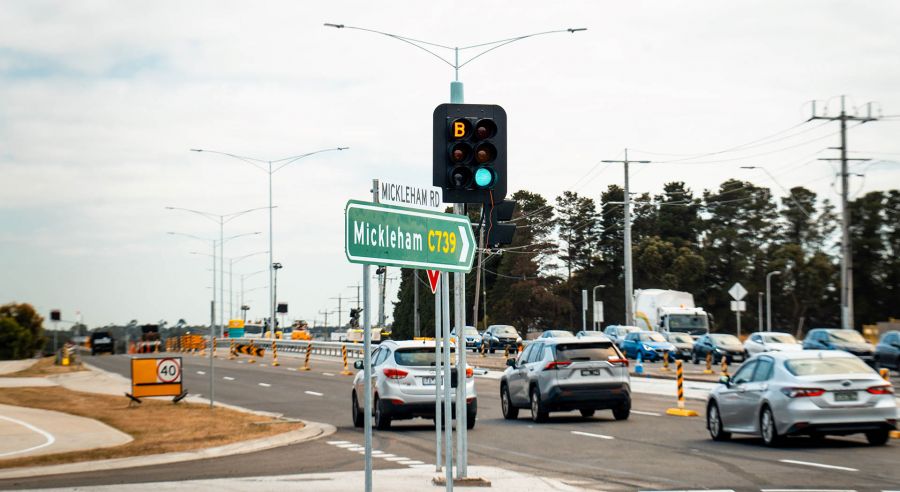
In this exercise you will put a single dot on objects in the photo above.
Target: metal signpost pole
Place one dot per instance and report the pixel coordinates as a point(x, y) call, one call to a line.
point(367, 361)
point(446, 373)
point(457, 96)
point(437, 378)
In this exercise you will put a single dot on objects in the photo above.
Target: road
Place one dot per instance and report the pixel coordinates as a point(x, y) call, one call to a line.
point(648, 451)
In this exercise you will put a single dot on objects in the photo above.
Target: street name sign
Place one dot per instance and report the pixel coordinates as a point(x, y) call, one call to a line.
point(407, 195)
point(378, 234)
point(737, 291)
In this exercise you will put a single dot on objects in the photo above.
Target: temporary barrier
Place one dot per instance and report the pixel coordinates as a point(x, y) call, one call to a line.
point(158, 376)
point(306, 361)
point(275, 354)
point(483, 349)
point(346, 371)
point(665, 366)
point(680, 411)
point(249, 350)
point(724, 366)
point(885, 373)
point(231, 354)
point(506, 352)
point(708, 369)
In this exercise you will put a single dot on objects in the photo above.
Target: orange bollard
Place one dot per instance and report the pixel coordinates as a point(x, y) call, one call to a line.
point(308, 351)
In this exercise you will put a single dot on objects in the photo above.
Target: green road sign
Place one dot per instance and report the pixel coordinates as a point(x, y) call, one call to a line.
point(378, 234)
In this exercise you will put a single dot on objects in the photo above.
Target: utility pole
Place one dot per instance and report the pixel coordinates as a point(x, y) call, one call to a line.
point(846, 252)
point(629, 287)
point(326, 317)
point(357, 287)
point(479, 270)
point(339, 299)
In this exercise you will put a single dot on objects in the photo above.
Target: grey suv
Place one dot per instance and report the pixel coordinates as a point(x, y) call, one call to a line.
point(564, 374)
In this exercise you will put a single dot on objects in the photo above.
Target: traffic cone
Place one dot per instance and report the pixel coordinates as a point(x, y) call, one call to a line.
point(639, 365)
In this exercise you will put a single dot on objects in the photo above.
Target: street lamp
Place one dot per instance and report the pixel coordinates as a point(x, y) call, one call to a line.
point(456, 97)
point(231, 262)
point(594, 297)
point(769, 299)
point(280, 164)
point(244, 276)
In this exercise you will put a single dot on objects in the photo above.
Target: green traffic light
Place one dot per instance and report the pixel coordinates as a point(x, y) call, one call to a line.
point(483, 177)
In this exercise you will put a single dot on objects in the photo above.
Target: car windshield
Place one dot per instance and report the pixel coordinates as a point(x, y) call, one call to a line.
point(827, 366)
point(505, 330)
point(415, 356)
point(681, 338)
point(592, 333)
point(726, 340)
point(847, 336)
point(576, 352)
point(470, 330)
point(779, 338)
point(559, 333)
point(652, 337)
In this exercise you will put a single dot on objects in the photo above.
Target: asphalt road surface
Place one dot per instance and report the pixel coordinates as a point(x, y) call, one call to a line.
point(649, 451)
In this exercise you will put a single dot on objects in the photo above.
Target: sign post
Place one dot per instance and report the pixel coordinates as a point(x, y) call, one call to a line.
point(738, 292)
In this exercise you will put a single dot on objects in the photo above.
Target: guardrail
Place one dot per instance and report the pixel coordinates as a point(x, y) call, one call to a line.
point(354, 350)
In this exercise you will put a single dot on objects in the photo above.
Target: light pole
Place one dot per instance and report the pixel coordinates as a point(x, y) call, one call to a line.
point(769, 299)
point(279, 164)
point(231, 262)
point(275, 268)
point(245, 276)
point(594, 297)
point(456, 97)
point(759, 303)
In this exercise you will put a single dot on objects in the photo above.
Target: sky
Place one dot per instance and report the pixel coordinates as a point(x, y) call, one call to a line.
point(102, 100)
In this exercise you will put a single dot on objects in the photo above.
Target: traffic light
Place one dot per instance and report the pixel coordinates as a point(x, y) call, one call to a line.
point(470, 152)
point(282, 308)
point(55, 315)
point(354, 317)
point(495, 218)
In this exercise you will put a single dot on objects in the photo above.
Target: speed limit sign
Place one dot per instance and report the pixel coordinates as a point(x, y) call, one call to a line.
point(168, 370)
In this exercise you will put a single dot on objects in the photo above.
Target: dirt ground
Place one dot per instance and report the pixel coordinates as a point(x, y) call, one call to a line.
point(46, 367)
point(157, 426)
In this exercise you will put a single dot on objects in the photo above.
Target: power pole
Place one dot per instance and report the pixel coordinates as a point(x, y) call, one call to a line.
point(629, 287)
point(846, 252)
point(340, 309)
point(326, 317)
point(357, 287)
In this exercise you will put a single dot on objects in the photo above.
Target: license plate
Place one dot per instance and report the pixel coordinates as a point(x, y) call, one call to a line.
point(590, 372)
point(737, 358)
point(428, 381)
point(845, 396)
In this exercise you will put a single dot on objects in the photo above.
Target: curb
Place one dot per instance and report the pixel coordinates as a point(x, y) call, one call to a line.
point(312, 430)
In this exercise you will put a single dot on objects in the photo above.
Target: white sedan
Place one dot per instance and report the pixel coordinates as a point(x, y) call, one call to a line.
point(768, 341)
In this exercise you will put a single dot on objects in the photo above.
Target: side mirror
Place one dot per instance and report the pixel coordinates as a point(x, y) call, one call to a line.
point(511, 362)
point(726, 380)
point(358, 364)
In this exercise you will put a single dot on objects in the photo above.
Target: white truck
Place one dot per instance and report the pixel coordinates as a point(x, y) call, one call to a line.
point(669, 311)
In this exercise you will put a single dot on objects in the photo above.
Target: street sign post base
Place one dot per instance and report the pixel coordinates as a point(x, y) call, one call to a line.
point(441, 481)
point(681, 412)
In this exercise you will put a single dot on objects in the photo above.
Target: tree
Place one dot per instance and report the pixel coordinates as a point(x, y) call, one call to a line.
point(28, 319)
point(874, 242)
point(404, 325)
point(15, 342)
point(576, 221)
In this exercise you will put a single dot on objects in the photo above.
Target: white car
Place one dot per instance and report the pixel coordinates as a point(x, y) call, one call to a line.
point(768, 341)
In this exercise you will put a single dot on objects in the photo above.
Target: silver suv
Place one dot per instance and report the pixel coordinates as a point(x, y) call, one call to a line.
point(403, 384)
point(563, 374)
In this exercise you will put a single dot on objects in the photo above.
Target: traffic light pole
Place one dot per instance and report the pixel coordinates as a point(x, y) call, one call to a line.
point(459, 311)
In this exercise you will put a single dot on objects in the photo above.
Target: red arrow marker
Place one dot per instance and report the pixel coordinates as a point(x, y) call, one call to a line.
point(433, 277)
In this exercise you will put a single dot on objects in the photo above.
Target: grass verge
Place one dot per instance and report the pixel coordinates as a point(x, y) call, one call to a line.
point(157, 426)
point(46, 366)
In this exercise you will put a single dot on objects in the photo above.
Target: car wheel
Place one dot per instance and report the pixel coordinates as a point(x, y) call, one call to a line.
point(538, 412)
point(587, 413)
point(510, 412)
point(878, 438)
point(357, 413)
point(622, 411)
point(714, 424)
point(470, 420)
point(767, 428)
point(382, 421)
point(694, 358)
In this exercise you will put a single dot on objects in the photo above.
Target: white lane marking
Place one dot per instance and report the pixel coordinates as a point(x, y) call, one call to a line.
point(819, 465)
point(291, 369)
point(651, 414)
point(810, 490)
point(327, 374)
point(201, 373)
point(314, 393)
point(387, 455)
point(228, 378)
point(335, 443)
point(262, 365)
point(348, 445)
point(265, 385)
point(588, 434)
point(49, 439)
point(412, 462)
point(398, 458)
point(240, 362)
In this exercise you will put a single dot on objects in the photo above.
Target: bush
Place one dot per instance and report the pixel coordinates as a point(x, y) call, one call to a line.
point(15, 342)
point(27, 319)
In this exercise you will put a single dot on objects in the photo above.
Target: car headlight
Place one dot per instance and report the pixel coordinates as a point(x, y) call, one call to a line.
point(647, 347)
point(518, 339)
point(718, 350)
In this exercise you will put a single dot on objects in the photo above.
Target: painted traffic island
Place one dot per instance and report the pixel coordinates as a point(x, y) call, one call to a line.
point(120, 428)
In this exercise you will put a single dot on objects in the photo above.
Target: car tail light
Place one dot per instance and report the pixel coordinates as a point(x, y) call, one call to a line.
point(618, 362)
point(469, 372)
point(395, 373)
point(881, 390)
point(396, 401)
point(556, 365)
point(802, 392)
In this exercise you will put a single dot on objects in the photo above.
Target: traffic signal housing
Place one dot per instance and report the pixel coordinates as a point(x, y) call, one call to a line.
point(470, 152)
point(495, 218)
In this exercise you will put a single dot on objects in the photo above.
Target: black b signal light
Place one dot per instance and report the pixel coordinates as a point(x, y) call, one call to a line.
point(470, 152)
